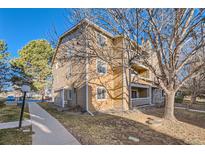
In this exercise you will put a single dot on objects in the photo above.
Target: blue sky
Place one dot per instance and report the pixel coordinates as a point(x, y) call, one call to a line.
point(19, 26)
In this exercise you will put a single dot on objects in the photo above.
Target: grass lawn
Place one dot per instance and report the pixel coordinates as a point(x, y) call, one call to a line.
point(193, 118)
point(14, 136)
point(109, 129)
point(189, 128)
point(197, 106)
point(10, 113)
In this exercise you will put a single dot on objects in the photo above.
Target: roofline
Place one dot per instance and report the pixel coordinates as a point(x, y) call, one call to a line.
point(75, 27)
point(91, 24)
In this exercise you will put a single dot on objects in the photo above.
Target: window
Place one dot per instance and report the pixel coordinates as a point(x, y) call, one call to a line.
point(101, 93)
point(101, 67)
point(101, 40)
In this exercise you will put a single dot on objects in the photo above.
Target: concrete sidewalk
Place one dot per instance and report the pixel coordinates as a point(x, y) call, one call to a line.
point(183, 108)
point(14, 124)
point(47, 130)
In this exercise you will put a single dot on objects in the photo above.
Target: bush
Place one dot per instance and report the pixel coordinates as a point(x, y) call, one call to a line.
point(179, 99)
point(2, 101)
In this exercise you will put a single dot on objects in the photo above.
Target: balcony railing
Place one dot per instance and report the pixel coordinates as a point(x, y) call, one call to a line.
point(140, 76)
point(140, 101)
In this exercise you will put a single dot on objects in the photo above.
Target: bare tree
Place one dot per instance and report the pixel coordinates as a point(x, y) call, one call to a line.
point(195, 87)
point(173, 36)
point(128, 51)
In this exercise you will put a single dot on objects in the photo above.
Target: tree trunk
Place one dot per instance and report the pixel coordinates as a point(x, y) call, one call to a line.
point(42, 98)
point(169, 106)
point(193, 99)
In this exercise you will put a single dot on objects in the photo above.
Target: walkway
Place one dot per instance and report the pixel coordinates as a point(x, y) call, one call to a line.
point(14, 124)
point(47, 130)
point(199, 111)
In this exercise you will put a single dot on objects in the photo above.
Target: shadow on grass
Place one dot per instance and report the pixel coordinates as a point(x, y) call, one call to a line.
point(109, 129)
point(186, 116)
point(9, 113)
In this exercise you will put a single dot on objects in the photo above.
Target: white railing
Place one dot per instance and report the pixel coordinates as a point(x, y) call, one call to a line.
point(140, 101)
point(134, 76)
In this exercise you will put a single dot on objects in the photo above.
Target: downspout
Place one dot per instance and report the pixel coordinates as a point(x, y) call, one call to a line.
point(86, 82)
point(130, 91)
point(122, 82)
point(150, 94)
point(63, 99)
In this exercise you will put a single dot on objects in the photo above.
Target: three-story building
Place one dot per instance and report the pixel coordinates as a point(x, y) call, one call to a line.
point(88, 71)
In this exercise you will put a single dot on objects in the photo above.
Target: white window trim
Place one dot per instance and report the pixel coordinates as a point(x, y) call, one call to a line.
point(98, 99)
point(97, 67)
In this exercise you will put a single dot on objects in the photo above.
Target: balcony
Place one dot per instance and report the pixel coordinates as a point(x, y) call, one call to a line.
point(140, 101)
point(141, 95)
point(141, 72)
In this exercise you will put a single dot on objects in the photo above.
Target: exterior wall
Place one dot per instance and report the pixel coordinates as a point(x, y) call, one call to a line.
point(118, 88)
point(61, 80)
point(97, 80)
point(115, 81)
point(80, 96)
point(121, 77)
point(158, 97)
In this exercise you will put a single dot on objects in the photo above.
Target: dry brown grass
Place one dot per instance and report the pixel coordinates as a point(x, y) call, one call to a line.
point(109, 129)
point(189, 128)
point(14, 136)
point(10, 113)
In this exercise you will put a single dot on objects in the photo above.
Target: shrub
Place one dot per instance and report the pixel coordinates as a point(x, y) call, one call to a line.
point(2, 101)
point(179, 99)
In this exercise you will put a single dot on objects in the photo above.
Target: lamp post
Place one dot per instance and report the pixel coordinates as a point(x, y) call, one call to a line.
point(25, 89)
